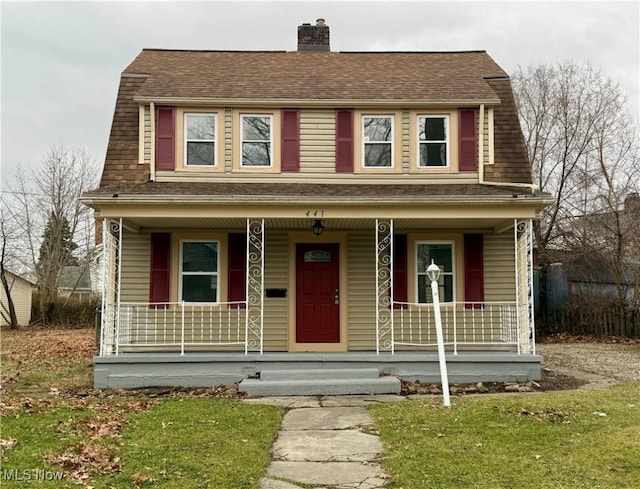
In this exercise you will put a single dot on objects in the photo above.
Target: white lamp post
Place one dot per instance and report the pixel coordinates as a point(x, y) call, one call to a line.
point(433, 272)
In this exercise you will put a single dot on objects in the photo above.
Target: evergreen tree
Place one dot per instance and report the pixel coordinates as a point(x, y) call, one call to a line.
point(57, 241)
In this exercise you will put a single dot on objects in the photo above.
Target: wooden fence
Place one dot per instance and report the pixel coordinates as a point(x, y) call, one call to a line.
point(609, 320)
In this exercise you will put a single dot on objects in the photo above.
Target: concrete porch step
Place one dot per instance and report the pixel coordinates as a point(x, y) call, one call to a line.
point(319, 374)
point(320, 382)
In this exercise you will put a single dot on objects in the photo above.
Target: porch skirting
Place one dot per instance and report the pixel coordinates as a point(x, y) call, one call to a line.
point(134, 370)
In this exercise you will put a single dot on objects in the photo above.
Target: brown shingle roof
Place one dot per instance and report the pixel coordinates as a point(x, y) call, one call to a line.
point(121, 163)
point(511, 160)
point(280, 75)
point(406, 77)
point(307, 190)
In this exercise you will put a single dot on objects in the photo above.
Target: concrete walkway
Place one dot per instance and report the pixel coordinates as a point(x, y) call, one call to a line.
point(326, 442)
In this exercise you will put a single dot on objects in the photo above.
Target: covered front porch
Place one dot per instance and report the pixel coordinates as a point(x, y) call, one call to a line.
point(178, 342)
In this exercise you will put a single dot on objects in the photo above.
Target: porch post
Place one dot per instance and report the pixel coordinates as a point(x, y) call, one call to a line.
point(523, 235)
point(111, 259)
point(384, 285)
point(254, 320)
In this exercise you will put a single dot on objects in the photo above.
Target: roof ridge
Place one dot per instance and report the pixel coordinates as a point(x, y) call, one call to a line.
point(214, 50)
point(275, 51)
point(480, 51)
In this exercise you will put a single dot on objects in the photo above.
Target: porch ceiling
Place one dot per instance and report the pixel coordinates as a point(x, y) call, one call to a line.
point(491, 224)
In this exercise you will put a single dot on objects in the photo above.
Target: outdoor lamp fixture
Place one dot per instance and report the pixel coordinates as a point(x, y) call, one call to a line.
point(433, 273)
point(317, 227)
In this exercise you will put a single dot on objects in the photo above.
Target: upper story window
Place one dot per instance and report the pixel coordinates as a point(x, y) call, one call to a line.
point(442, 254)
point(377, 141)
point(200, 140)
point(257, 140)
point(199, 275)
point(433, 140)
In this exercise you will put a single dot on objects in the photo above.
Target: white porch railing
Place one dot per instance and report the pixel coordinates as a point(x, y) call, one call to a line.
point(176, 324)
point(463, 323)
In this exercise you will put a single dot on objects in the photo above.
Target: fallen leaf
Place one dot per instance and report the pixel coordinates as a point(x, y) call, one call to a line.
point(140, 478)
point(10, 443)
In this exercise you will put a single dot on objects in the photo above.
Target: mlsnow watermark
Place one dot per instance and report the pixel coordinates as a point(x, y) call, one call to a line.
point(19, 475)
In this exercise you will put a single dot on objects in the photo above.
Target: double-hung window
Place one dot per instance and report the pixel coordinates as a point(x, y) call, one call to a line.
point(433, 141)
point(377, 140)
point(442, 254)
point(199, 278)
point(200, 140)
point(257, 140)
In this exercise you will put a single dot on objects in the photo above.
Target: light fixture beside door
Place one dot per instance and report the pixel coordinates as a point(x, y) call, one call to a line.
point(317, 227)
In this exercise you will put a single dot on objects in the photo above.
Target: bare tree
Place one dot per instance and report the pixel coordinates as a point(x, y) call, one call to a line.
point(8, 310)
point(617, 165)
point(576, 131)
point(48, 199)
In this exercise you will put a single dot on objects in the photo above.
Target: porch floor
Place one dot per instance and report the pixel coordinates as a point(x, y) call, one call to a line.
point(133, 370)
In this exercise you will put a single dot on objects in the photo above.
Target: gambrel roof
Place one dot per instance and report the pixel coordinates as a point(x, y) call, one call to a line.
point(405, 80)
point(416, 77)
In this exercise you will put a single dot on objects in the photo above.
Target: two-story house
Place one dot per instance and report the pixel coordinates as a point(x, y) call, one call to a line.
point(278, 209)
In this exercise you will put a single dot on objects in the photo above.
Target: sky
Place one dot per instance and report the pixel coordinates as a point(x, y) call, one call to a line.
point(61, 61)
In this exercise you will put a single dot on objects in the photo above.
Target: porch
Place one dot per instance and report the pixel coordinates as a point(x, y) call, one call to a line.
point(208, 369)
point(146, 343)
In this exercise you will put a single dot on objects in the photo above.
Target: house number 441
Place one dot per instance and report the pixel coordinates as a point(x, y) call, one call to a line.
point(314, 213)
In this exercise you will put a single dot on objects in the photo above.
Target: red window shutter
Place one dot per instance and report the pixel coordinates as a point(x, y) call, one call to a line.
point(473, 269)
point(400, 272)
point(467, 140)
point(344, 140)
point(290, 140)
point(237, 268)
point(165, 138)
point(159, 276)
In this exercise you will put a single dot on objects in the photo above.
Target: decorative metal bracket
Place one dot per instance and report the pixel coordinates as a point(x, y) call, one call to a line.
point(384, 285)
point(524, 285)
point(111, 260)
point(254, 325)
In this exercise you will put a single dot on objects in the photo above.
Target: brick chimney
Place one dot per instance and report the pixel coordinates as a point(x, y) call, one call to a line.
point(313, 37)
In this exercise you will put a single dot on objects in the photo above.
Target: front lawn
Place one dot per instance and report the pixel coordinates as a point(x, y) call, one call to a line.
point(175, 443)
point(58, 432)
point(584, 439)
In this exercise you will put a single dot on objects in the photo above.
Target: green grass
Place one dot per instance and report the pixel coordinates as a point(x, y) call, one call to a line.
point(551, 440)
point(118, 439)
point(179, 443)
point(38, 433)
point(199, 443)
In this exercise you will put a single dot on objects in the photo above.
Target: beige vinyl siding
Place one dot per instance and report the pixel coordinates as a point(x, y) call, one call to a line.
point(136, 257)
point(361, 291)
point(147, 134)
point(317, 153)
point(499, 267)
point(317, 141)
point(228, 139)
point(21, 291)
point(484, 134)
point(276, 310)
point(406, 141)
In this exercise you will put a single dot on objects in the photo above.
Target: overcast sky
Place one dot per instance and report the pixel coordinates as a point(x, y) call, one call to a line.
point(61, 62)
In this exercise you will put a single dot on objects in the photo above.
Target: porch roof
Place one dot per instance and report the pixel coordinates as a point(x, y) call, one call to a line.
point(303, 191)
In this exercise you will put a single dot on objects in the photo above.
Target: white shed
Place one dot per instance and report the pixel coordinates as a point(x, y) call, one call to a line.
point(21, 292)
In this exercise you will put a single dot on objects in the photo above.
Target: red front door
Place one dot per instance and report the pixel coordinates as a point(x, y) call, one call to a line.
point(317, 293)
